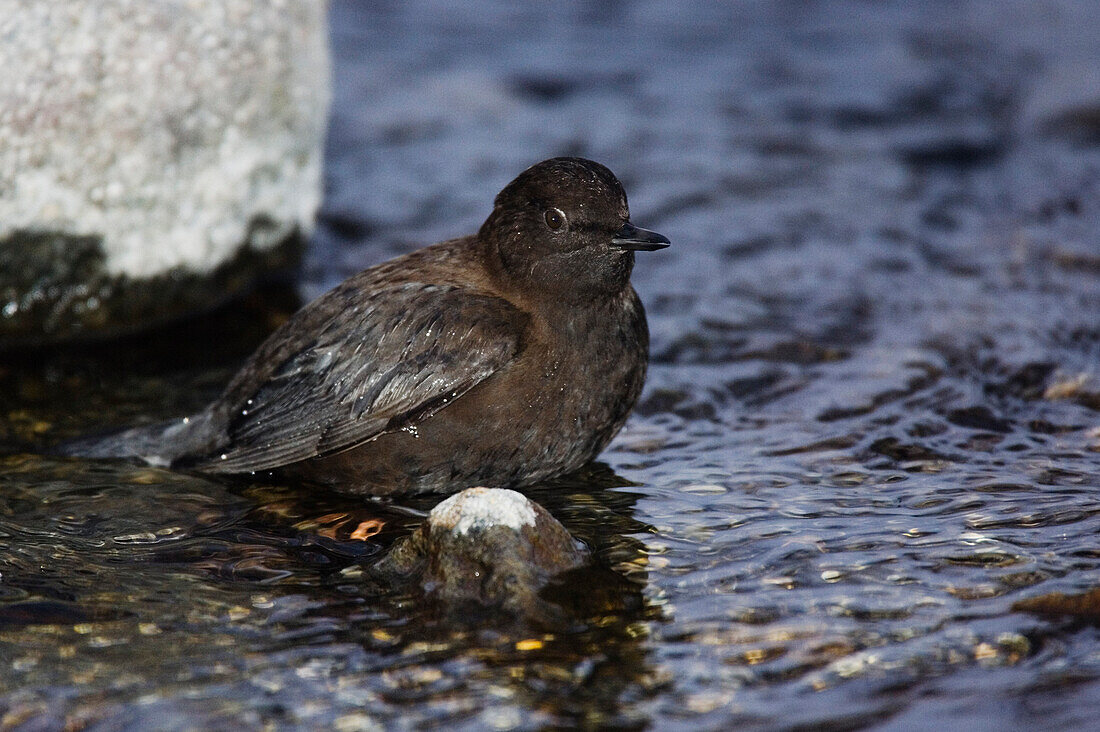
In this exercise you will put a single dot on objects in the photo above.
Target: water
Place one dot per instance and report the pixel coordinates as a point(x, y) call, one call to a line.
point(872, 422)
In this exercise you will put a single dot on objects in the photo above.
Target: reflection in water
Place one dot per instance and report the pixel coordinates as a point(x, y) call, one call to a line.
point(60, 392)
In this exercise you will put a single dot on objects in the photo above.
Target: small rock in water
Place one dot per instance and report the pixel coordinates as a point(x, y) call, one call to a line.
point(1084, 605)
point(489, 546)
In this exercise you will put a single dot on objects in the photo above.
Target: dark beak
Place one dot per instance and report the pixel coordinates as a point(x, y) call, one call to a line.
point(631, 238)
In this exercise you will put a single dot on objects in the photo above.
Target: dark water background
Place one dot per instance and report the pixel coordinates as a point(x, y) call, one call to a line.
point(872, 421)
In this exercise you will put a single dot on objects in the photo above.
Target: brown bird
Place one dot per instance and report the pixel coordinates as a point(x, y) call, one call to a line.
point(499, 359)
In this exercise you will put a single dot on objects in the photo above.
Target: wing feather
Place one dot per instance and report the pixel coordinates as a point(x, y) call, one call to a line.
point(418, 348)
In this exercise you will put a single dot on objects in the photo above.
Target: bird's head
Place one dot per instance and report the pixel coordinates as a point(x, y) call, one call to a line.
point(562, 228)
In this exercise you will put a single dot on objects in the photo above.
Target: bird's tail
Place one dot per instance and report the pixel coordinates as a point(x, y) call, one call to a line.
point(155, 444)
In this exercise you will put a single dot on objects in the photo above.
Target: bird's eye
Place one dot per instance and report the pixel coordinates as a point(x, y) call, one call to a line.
point(555, 219)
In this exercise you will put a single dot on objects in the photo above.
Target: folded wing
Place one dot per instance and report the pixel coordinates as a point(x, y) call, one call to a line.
point(409, 352)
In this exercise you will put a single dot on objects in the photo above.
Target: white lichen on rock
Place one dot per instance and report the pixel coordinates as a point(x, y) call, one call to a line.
point(477, 509)
point(162, 128)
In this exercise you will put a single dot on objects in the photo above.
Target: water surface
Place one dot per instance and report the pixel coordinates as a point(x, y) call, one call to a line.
point(871, 425)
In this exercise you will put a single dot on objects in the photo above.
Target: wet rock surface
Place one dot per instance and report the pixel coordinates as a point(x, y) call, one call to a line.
point(156, 159)
point(1084, 605)
point(869, 428)
point(55, 288)
point(485, 548)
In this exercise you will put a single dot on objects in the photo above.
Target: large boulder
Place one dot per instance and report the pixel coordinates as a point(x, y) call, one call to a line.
point(156, 157)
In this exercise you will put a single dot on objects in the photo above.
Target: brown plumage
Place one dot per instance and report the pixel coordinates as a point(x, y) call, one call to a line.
point(497, 359)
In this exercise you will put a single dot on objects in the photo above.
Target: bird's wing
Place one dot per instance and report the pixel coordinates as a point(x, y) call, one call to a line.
point(402, 355)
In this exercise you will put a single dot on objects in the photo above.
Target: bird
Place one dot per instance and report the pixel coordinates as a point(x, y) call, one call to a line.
point(498, 359)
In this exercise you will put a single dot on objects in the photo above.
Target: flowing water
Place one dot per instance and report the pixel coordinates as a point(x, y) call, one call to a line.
point(871, 424)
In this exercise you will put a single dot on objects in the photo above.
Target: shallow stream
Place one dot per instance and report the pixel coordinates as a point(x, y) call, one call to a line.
point(871, 424)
